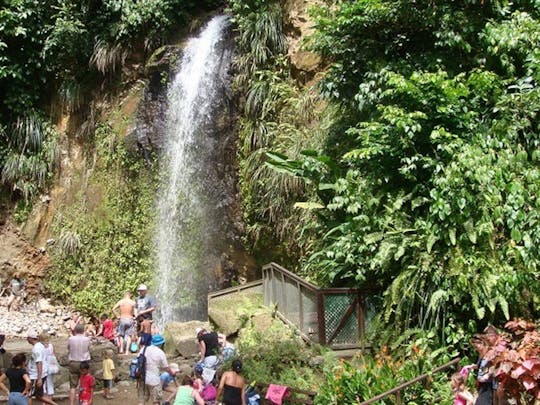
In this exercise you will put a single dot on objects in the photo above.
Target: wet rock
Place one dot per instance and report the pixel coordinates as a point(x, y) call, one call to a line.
point(180, 338)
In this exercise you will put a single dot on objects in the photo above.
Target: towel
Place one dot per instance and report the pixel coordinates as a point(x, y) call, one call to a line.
point(276, 393)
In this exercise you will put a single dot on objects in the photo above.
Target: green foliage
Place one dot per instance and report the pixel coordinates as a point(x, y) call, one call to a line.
point(279, 116)
point(275, 356)
point(105, 240)
point(28, 155)
point(63, 47)
point(369, 374)
point(430, 172)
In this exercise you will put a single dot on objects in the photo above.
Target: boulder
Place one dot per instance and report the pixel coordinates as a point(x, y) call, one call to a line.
point(180, 338)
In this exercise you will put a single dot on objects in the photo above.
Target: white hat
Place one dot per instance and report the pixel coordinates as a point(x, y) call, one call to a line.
point(32, 334)
point(142, 287)
point(198, 330)
point(174, 367)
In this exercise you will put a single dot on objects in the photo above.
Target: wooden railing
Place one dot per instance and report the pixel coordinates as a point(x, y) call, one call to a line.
point(329, 316)
point(397, 390)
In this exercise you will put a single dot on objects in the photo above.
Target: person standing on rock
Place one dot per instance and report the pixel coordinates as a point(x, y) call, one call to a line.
point(16, 287)
point(37, 369)
point(125, 310)
point(150, 389)
point(5, 357)
point(78, 351)
point(145, 304)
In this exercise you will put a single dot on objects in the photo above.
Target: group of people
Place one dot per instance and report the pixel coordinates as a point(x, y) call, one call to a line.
point(29, 377)
point(161, 384)
point(33, 376)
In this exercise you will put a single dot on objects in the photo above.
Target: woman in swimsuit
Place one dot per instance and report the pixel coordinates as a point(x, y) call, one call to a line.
point(232, 386)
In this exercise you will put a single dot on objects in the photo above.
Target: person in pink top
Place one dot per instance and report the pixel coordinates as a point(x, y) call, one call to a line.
point(461, 395)
point(86, 385)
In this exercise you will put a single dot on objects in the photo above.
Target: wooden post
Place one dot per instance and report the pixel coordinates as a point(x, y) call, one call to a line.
point(320, 318)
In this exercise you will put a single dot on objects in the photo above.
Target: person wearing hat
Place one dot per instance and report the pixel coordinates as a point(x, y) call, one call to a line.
point(209, 345)
point(145, 304)
point(156, 360)
point(37, 368)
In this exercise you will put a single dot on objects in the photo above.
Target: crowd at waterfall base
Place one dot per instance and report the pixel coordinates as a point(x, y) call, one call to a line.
point(102, 354)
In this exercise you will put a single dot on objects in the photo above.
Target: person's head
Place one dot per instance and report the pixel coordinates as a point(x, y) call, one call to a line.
point(79, 329)
point(158, 340)
point(103, 317)
point(174, 368)
point(457, 381)
point(2, 339)
point(108, 354)
point(32, 337)
point(199, 332)
point(142, 290)
point(236, 366)
point(19, 360)
point(127, 294)
point(198, 370)
point(17, 275)
point(84, 367)
point(186, 380)
point(44, 337)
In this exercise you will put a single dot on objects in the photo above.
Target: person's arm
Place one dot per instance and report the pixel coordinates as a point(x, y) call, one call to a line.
point(202, 345)
point(221, 385)
point(198, 399)
point(243, 393)
point(2, 385)
point(114, 309)
point(39, 365)
point(27, 385)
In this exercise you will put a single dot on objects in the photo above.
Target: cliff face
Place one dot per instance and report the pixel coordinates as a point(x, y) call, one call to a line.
point(134, 114)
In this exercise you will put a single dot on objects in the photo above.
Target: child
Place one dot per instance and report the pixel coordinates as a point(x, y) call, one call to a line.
point(106, 328)
point(108, 374)
point(146, 333)
point(86, 384)
point(461, 395)
point(166, 380)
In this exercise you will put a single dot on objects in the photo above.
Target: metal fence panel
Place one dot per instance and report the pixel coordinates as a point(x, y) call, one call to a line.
point(310, 322)
point(336, 319)
point(335, 308)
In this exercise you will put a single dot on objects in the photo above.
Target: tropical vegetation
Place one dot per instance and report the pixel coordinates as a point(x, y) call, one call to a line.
point(411, 169)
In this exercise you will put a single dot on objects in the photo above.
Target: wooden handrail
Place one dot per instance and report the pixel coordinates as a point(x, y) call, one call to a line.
point(411, 382)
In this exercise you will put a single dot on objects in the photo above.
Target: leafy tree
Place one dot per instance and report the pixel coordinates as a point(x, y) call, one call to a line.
point(428, 180)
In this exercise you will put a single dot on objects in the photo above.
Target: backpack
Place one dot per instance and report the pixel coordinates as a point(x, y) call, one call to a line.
point(137, 368)
point(209, 392)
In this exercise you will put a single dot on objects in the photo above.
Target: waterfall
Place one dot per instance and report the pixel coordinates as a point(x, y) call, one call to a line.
point(191, 197)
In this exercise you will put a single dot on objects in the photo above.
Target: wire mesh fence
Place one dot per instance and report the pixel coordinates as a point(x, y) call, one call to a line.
point(332, 316)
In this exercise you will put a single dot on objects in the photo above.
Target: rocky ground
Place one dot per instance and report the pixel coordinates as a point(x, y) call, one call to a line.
point(39, 315)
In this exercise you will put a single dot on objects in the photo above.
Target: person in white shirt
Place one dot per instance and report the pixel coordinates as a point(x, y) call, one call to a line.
point(156, 362)
point(37, 370)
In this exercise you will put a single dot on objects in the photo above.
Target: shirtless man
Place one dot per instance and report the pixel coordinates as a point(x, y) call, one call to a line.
point(126, 325)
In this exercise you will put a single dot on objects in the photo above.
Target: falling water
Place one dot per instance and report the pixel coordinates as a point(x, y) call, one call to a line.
point(189, 202)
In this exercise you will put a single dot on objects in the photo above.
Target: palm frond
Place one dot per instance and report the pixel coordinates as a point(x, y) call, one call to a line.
point(107, 57)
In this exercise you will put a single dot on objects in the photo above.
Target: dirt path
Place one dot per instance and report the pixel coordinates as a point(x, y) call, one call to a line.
point(123, 395)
